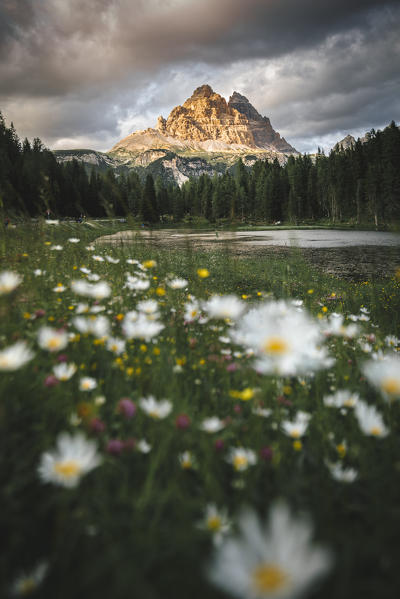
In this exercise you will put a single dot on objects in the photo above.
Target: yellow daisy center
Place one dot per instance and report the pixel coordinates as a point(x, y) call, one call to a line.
point(53, 343)
point(4, 362)
point(349, 403)
point(67, 468)
point(276, 345)
point(27, 586)
point(391, 386)
point(214, 523)
point(269, 578)
point(341, 449)
point(239, 462)
point(376, 431)
point(154, 414)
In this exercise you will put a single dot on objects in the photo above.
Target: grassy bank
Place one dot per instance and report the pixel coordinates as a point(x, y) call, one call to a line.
point(151, 515)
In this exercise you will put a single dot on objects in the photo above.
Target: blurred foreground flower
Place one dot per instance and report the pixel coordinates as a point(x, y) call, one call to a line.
point(285, 341)
point(370, 420)
point(74, 457)
point(9, 281)
point(28, 582)
point(276, 560)
point(385, 376)
point(15, 356)
point(225, 306)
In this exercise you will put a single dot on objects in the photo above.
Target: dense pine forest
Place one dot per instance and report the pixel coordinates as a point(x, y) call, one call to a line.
point(359, 185)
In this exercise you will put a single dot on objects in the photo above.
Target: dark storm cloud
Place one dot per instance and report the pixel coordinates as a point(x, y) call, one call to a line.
point(73, 70)
point(53, 46)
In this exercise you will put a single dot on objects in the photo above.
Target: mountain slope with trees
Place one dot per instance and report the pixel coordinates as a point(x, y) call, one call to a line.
point(359, 184)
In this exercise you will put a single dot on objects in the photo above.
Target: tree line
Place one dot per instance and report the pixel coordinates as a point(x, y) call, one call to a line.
point(360, 184)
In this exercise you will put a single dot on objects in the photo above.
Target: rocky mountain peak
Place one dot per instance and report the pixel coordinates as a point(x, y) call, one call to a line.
point(206, 122)
point(262, 130)
point(242, 105)
point(204, 91)
point(346, 143)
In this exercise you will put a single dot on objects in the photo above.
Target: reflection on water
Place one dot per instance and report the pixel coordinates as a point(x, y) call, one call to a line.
point(350, 254)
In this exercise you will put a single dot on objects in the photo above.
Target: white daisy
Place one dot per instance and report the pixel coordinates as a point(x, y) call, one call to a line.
point(97, 291)
point(275, 560)
point(117, 346)
point(286, 342)
point(298, 427)
point(177, 283)
point(186, 460)
point(74, 240)
point(155, 409)
point(52, 339)
point(343, 398)
point(192, 311)
point(148, 307)
point(136, 283)
point(15, 356)
point(370, 420)
point(73, 457)
point(64, 371)
point(9, 281)
point(334, 325)
point(264, 412)
point(225, 306)
point(384, 374)
point(87, 383)
point(216, 522)
point(28, 582)
point(392, 341)
point(142, 328)
point(241, 458)
point(212, 425)
point(342, 474)
point(98, 326)
point(143, 446)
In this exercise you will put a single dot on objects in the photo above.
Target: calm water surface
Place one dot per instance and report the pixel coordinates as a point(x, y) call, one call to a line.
point(349, 254)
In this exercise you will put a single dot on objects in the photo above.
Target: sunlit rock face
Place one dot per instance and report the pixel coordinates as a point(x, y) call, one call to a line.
point(207, 122)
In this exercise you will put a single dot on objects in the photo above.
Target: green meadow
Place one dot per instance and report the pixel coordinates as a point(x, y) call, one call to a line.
point(287, 395)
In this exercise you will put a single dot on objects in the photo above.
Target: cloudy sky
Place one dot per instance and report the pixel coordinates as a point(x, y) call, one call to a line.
point(85, 73)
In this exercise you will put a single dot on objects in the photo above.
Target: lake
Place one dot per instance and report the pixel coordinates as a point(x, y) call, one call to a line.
point(351, 254)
